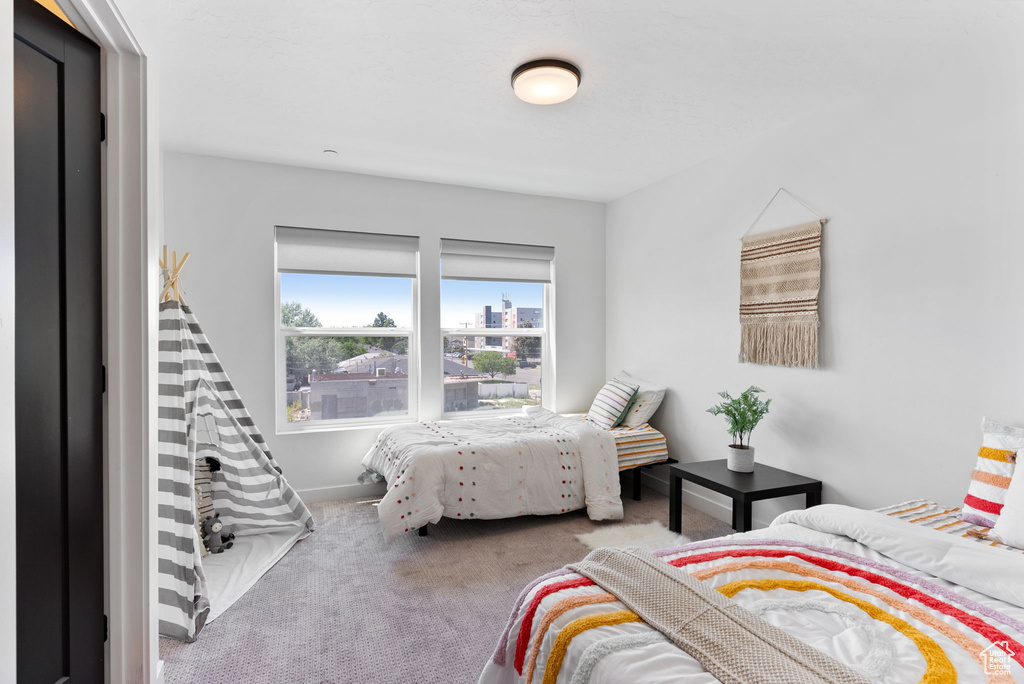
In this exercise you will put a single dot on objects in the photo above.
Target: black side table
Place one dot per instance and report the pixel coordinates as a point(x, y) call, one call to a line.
point(744, 488)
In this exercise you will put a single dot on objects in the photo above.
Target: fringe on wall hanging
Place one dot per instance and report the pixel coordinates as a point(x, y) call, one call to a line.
point(780, 276)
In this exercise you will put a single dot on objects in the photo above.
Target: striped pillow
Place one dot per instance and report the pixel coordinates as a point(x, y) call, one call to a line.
point(992, 473)
point(612, 402)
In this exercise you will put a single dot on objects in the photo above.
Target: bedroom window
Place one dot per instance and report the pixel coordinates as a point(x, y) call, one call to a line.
point(495, 325)
point(346, 344)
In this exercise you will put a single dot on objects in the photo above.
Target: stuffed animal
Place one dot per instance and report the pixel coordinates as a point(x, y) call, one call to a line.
point(213, 532)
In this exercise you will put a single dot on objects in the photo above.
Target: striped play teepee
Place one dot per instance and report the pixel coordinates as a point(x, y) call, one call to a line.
point(200, 416)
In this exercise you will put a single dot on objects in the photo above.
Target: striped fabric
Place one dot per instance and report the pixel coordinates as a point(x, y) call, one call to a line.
point(729, 641)
point(942, 519)
point(648, 398)
point(949, 634)
point(612, 402)
point(780, 274)
point(989, 482)
point(992, 472)
point(200, 414)
point(637, 446)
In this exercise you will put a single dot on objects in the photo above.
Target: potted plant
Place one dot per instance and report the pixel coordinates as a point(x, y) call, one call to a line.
point(743, 413)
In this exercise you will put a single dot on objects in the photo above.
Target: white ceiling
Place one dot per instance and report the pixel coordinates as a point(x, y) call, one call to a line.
point(420, 88)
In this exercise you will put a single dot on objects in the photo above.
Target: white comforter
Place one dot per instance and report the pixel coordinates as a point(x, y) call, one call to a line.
point(534, 463)
point(901, 609)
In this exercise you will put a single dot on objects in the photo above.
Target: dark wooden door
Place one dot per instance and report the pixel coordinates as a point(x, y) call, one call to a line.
point(58, 375)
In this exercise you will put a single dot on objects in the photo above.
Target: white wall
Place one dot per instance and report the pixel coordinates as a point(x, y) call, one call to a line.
point(224, 212)
point(921, 300)
point(8, 615)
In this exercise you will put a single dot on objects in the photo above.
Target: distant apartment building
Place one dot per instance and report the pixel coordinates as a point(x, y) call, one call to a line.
point(508, 317)
point(487, 319)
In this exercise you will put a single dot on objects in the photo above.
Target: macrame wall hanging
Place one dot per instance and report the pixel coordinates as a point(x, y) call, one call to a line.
point(780, 276)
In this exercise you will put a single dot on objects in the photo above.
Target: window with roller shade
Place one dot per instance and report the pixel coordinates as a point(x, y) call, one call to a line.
point(495, 325)
point(346, 347)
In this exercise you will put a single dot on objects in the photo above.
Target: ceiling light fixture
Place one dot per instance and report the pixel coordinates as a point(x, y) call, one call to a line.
point(546, 81)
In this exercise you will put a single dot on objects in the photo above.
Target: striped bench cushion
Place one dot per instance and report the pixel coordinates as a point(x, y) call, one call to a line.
point(637, 446)
point(941, 519)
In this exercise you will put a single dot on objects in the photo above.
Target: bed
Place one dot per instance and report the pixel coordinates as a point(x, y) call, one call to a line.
point(533, 463)
point(903, 594)
point(639, 446)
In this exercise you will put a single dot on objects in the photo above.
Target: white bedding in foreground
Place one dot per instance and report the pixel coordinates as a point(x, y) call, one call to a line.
point(534, 463)
point(897, 602)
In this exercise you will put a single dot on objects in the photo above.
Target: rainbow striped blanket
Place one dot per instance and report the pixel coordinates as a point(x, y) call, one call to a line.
point(893, 601)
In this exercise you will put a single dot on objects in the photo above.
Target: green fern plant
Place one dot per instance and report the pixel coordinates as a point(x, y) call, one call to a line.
point(743, 413)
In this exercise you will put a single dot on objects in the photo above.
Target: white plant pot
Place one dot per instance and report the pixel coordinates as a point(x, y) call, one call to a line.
point(740, 460)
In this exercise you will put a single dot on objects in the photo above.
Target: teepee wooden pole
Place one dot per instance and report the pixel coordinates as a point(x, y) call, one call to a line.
point(171, 272)
point(177, 272)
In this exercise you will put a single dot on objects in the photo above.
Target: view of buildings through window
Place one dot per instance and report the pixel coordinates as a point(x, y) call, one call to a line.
point(499, 371)
point(346, 343)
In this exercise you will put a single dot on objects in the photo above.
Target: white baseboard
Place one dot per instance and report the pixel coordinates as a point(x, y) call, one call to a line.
point(160, 672)
point(698, 498)
point(339, 492)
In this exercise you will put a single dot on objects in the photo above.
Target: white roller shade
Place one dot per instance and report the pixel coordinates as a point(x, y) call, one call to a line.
point(472, 260)
point(308, 250)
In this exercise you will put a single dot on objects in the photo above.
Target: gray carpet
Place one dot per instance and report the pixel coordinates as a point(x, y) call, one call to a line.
point(343, 606)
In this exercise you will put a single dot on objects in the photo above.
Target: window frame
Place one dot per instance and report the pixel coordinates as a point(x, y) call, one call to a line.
point(339, 424)
point(545, 333)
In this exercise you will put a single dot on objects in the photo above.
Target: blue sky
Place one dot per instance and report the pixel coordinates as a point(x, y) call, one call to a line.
point(341, 301)
point(353, 301)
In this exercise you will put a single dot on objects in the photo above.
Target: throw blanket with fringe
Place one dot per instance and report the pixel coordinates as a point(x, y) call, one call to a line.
point(730, 642)
point(780, 275)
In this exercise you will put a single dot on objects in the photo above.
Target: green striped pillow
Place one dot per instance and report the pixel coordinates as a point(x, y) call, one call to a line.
point(612, 403)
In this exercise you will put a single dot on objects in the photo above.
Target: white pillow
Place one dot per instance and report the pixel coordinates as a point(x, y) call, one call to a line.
point(1010, 525)
point(648, 399)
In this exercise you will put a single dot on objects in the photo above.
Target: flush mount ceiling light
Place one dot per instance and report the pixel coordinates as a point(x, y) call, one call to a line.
point(546, 81)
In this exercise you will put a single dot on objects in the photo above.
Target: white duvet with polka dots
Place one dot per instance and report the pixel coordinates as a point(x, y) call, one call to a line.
point(533, 463)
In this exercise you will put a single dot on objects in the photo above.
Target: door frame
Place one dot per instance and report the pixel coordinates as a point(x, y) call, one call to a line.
point(131, 218)
point(131, 171)
point(8, 564)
